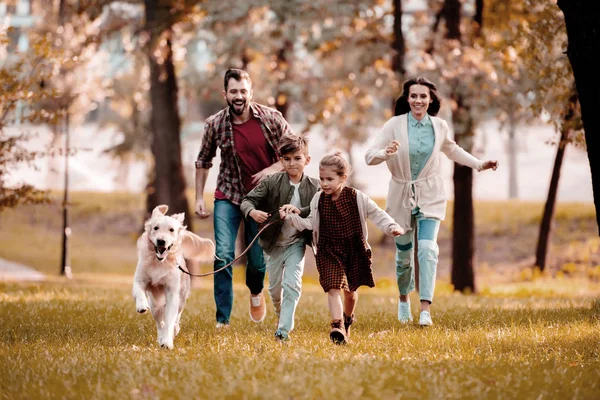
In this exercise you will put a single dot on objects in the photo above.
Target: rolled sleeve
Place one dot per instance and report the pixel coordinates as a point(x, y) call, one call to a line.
point(208, 149)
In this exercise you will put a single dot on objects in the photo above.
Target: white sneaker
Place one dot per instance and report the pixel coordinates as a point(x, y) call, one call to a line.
point(425, 319)
point(222, 325)
point(404, 314)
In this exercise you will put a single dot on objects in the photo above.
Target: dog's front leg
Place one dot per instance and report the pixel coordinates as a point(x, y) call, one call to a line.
point(171, 311)
point(139, 295)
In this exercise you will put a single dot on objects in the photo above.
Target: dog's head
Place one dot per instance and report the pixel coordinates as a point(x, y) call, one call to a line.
point(164, 232)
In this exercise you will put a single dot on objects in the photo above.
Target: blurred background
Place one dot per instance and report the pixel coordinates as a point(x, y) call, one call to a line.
point(90, 87)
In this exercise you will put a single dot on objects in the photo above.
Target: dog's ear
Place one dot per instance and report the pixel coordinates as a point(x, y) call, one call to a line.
point(179, 217)
point(159, 211)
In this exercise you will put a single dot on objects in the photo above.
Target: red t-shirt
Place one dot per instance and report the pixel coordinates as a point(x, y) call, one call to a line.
point(253, 151)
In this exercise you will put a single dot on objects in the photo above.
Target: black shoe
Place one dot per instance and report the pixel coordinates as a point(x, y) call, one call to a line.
point(348, 320)
point(337, 334)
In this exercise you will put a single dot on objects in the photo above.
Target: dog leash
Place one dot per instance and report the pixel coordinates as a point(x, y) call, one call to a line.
point(235, 259)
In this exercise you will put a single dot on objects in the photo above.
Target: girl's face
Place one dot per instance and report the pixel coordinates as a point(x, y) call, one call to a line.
point(419, 99)
point(331, 182)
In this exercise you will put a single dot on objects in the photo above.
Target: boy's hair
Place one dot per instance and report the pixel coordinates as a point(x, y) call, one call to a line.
point(290, 143)
point(337, 162)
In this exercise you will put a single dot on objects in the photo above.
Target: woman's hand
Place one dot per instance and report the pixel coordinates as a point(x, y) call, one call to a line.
point(493, 164)
point(392, 147)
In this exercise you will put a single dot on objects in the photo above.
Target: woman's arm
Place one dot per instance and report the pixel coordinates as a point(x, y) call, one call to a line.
point(377, 154)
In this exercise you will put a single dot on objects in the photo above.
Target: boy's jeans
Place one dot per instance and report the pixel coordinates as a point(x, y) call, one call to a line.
point(286, 266)
point(227, 219)
point(427, 232)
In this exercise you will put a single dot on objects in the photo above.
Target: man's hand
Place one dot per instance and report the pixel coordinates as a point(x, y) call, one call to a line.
point(259, 216)
point(397, 231)
point(200, 209)
point(257, 177)
point(493, 164)
point(392, 147)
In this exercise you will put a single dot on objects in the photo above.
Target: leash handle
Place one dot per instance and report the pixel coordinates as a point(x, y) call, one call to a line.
point(235, 259)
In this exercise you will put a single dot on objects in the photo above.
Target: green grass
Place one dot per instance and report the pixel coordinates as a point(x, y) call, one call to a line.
point(83, 339)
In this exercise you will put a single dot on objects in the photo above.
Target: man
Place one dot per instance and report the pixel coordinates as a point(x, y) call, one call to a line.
point(248, 135)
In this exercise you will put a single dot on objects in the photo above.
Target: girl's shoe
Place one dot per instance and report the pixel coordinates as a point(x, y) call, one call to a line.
point(425, 319)
point(404, 314)
point(348, 320)
point(337, 334)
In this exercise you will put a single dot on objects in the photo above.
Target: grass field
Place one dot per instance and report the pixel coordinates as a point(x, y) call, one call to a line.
point(83, 339)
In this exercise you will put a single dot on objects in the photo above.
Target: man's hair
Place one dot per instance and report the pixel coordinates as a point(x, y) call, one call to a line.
point(290, 143)
point(237, 74)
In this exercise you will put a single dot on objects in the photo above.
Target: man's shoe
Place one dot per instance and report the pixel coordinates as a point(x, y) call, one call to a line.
point(222, 325)
point(337, 334)
point(348, 320)
point(404, 314)
point(425, 319)
point(258, 309)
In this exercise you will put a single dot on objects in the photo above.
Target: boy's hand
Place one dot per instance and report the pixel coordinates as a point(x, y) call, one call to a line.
point(288, 209)
point(397, 231)
point(259, 216)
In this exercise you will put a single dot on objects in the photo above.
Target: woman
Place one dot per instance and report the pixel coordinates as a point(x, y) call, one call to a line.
point(410, 143)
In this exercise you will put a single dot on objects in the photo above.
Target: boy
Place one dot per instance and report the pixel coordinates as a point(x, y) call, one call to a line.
point(282, 244)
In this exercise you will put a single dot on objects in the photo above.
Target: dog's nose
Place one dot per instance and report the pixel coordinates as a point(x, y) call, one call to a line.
point(160, 242)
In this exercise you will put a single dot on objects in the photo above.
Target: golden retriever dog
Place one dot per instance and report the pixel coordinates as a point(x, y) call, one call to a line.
point(158, 284)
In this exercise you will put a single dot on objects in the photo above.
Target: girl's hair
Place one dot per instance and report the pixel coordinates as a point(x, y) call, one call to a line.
point(337, 162)
point(402, 106)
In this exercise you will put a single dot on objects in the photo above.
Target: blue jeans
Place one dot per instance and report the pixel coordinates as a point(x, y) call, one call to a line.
point(427, 233)
point(227, 219)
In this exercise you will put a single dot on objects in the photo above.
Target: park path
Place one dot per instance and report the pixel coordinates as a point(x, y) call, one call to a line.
point(12, 271)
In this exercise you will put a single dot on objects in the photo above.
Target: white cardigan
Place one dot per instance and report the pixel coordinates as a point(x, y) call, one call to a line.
point(428, 193)
point(367, 208)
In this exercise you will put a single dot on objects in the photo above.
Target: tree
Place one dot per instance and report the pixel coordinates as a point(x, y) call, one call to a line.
point(581, 18)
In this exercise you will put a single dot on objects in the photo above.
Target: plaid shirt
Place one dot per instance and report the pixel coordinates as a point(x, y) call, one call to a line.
point(218, 132)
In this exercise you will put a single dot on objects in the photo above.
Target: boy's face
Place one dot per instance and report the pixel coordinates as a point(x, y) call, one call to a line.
point(294, 163)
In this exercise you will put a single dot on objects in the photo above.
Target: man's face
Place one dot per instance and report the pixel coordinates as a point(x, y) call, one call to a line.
point(238, 95)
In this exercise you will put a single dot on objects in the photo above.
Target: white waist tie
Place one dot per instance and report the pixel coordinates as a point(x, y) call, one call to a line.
point(411, 190)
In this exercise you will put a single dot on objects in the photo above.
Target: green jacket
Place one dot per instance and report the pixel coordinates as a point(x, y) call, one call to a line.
point(273, 192)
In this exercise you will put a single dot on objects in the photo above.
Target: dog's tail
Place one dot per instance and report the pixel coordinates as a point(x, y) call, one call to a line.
point(197, 248)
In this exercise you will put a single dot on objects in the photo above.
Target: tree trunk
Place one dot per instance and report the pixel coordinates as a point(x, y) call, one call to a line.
point(452, 10)
point(463, 244)
point(548, 217)
point(398, 44)
point(513, 190)
point(168, 184)
point(581, 18)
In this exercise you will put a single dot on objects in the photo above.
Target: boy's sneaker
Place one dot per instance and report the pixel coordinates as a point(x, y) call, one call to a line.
point(222, 325)
point(282, 337)
point(337, 334)
point(348, 320)
point(258, 308)
point(404, 314)
point(425, 319)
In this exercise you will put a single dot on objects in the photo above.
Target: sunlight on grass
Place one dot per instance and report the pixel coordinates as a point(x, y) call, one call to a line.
point(86, 341)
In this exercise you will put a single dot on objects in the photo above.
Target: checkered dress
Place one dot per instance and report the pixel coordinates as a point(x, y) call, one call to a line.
point(343, 260)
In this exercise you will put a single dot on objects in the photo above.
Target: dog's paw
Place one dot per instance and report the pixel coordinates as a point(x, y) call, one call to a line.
point(142, 309)
point(166, 343)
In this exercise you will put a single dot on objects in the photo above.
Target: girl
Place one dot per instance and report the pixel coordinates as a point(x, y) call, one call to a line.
point(338, 219)
point(410, 143)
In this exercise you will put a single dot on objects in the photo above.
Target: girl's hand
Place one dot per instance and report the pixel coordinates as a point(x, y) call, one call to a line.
point(258, 216)
point(392, 147)
point(493, 164)
point(397, 231)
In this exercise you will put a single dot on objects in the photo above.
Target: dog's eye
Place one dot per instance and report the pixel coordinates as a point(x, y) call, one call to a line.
point(172, 230)
point(156, 228)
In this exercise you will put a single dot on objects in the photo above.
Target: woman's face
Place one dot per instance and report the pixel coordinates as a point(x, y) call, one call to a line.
point(419, 99)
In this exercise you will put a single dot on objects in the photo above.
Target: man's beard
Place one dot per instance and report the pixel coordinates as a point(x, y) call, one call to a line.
point(233, 109)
